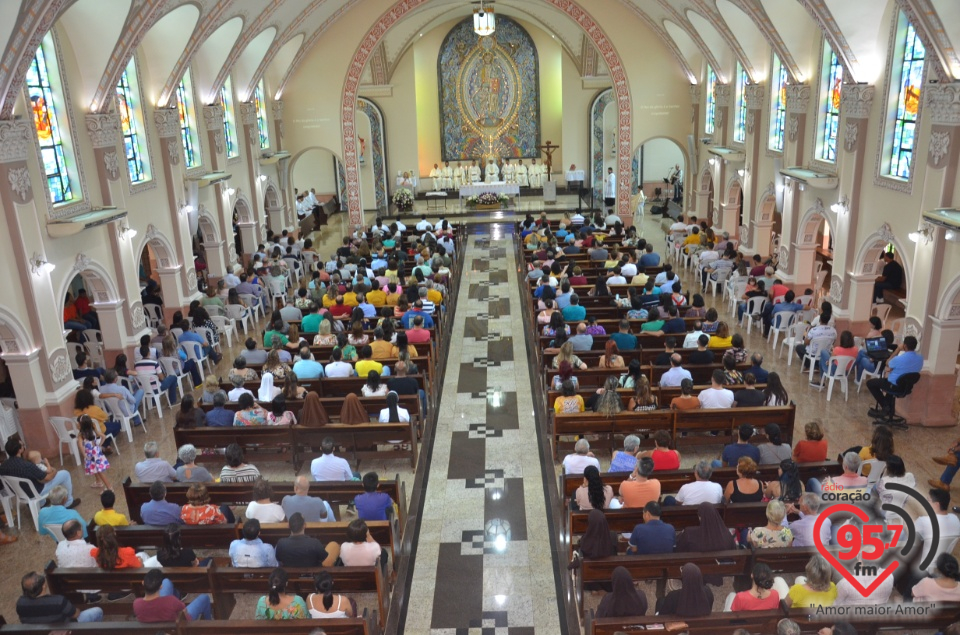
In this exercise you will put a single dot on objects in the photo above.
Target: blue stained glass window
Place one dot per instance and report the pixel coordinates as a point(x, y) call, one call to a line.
point(188, 132)
point(262, 125)
point(778, 105)
point(711, 100)
point(908, 104)
point(128, 107)
point(229, 122)
point(740, 124)
point(833, 84)
point(43, 106)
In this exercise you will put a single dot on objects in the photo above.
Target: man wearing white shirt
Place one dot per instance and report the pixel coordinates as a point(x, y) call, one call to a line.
point(690, 341)
point(707, 256)
point(662, 276)
point(74, 552)
point(328, 467)
point(232, 279)
point(338, 367)
point(576, 219)
point(580, 459)
point(629, 269)
point(703, 490)
point(611, 219)
point(459, 176)
point(311, 198)
point(610, 188)
point(716, 396)
point(424, 225)
point(238, 389)
point(535, 175)
point(949, 523)
point(617, 277)
point(676, 374)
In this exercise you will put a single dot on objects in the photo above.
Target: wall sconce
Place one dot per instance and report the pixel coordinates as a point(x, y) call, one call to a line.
point(125, 231)
point(803, 187)
point(39, 265)
point(712, 161)
point(842, 206)
point(185, 208)
point(741, 172)
point(779, 188)
point(924, 235)
point(229, 190)
point(263, 177)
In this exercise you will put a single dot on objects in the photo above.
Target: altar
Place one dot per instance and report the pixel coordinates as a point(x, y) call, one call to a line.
point(496, 187)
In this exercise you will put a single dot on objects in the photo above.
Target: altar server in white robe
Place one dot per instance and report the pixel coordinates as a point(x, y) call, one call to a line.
point(492, 173)
point(509, 171)
point(437, 179)
point(536, 181)
point(522, 179)
point(459, 176)
point(610, 188)
point(473, 172)
point(447, 175)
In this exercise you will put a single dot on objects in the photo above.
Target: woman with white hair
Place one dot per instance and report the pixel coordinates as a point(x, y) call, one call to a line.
point(816, 588)
point(625, 460)
point(190, 472)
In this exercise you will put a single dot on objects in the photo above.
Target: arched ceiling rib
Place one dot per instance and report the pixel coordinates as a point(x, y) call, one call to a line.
point(93, 28)
point(160, 46)
point(865, 34)
point(246, 64)
point(682, 40)
point(754, 9)
point(754, 46)
point(939, 25)
point(716, 20)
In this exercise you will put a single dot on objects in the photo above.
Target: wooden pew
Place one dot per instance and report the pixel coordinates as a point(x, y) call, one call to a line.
point(672, 480)
point(687, 427)
point(702, 374)
point(753, 621)
point(334, 492)
point(664, 395)
point(328, 386)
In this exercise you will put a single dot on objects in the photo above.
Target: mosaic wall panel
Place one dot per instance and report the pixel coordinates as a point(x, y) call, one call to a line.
point(596, 141)
point(372, 111)
point(489, 93)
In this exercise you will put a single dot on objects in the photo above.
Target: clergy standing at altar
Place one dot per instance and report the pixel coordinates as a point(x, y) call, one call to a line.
point(459, 176)
point(447, 174)
point(610, 188)
point(435, 175)
point(536, 177)
point(473, 172)
point(522, 179)
point(509, 171)
point(492, 173)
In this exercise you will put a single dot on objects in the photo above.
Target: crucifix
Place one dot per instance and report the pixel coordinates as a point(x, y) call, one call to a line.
point(548, 149)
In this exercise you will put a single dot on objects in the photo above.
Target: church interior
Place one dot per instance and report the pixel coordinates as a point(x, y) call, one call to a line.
point(244, 208)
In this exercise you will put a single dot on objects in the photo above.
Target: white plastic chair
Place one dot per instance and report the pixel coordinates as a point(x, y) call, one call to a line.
point(154, 314)
point(207, 334)
point(733, 290)
point(794, 336)
point(845, 365)
point(112, 406)
point(57, 530)
point(73, 348)
point(946, 545)
point(66, 430)
point(720, 281)
point(812, 354)
point(256, 306)
point(153, 392)
point(877, 468)
point(781, 323)
point(226, 326)
point(6, 497)
point(9, 421)
point(27, 494)
point(865, 376)
point(755, 307)
point(241, 314)
point(174, 367)
point(882, 311)
point(194, 351)
point(131, 384)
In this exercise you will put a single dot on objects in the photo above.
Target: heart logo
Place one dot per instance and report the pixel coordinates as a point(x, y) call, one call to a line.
point(849, 577)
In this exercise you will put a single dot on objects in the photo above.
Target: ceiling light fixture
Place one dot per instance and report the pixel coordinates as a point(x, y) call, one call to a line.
point(484, 21)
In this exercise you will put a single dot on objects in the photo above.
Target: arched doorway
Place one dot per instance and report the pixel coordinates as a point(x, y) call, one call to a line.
point(242, 215)
point(661, 165)
point(317, 168)
point(156, 255)
point(86, 285)
point(816, 231)
point(705, 196)
point(869, 260)
point(603, 139)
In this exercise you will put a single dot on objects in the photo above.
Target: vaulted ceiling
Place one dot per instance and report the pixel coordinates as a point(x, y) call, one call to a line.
point(253, 39)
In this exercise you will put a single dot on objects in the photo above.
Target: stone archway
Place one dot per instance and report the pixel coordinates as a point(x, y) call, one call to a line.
point(806, 241)
point(273, 206)
point(660, 154)
point(705, 199)
point(375, 34)
point(732, 211)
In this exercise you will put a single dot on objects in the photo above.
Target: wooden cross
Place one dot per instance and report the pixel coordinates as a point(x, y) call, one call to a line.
point(548, 149)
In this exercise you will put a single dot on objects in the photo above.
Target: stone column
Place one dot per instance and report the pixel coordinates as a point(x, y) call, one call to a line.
point(723, 95)
point(761, 234)
point(691, 196)
point(167, 122)
point(855, 103)
point(251, 137)
point(168, 280)
point(277, 109)
point(798, 103)
point(248, 236)
point(213, 122)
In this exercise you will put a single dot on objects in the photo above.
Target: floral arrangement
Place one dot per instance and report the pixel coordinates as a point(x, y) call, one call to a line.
point(488, 198)
point(403, 198)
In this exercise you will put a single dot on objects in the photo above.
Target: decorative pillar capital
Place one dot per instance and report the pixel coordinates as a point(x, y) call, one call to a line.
point(167, 121)
point(14, 140)
point(855, 100)
point(213, 117)
point(798, 98)
point(943, 103)
point(277, 108)
point(694, 94)
point(722, 94)
point(754, 95)
point(104, 129)
point(248, 113)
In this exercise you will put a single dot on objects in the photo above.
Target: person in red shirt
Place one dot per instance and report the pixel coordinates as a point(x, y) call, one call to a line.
point(71, 317)
point(663, 457)
point(778, 290)
point(160, 603)
point(417, 334)
point(763, 595)
point(813, 449)
point(85, 310)
point(340, 309)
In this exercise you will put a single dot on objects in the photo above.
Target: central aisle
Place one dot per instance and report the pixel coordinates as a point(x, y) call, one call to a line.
point(483, 554)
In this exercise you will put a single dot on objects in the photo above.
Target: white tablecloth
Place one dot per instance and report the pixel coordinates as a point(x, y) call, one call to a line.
point(575, 175)
point(497, 187)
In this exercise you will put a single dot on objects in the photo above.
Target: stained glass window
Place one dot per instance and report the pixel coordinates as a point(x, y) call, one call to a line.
point(833, 84)
point(740, 124)
point(188, 130)
point(778, 105)
point(711, 100)
point(229, 122)
point(44, 105)
point(908, 103)
point(262, 124)
point(131, 123)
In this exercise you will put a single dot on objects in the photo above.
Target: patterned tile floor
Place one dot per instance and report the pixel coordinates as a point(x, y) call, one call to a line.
point(476, 571)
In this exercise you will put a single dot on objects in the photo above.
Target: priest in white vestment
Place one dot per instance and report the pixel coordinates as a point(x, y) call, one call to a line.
point(509, 171)
point(459, 176)
point(535, 179)
point(522, 179)
point(492, 172)
point(437, 179)
point(474, 173)
point(610, 188)
point(446, 175)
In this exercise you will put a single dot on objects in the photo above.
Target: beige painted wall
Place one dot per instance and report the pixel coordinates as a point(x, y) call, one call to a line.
point(315, 168)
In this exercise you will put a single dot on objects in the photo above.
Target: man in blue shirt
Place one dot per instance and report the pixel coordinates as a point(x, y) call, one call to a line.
point(417, 309)
point(189, 335)
point(372, 505)
point(626, 341)
point(220, 417)
point(649, 259)
point(574, 312)
point(653, 535)
point(56, 513)
point(787, 306)
point(908, 361)
point(129, 402)
point(562, 300)
point(760, 373)
point(732, 452)
point(157, 511)
point(307, 367)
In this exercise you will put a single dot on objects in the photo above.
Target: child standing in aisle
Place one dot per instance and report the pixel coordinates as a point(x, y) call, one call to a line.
point(95, 463)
